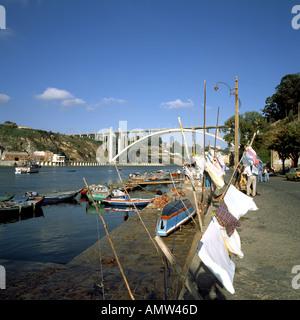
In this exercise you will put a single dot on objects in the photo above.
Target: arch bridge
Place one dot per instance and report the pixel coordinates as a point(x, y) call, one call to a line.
point(133, 146)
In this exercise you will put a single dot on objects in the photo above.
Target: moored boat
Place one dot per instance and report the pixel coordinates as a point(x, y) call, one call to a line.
point(125, 201)
point(27, 168)
point(20, 207)
point(173, 215)
point(60, 197)
point(56, 197)
point(99, 192)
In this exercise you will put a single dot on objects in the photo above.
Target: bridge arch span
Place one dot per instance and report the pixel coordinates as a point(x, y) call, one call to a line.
point(160, 133)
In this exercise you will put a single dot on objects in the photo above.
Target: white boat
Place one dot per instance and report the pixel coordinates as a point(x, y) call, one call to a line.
point(27, 168)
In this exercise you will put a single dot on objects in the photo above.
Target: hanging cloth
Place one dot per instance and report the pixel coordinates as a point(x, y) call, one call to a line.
point(226, 219)
point(215, 174)
point(238, 203)
point(213, 253)
point(232, 243)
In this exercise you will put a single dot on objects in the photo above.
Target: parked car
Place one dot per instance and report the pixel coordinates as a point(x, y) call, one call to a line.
point(293, 174)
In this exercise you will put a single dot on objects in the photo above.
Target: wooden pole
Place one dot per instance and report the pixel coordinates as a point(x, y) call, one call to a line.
point(194, 190)
point(110, 241)
point(216, 133)
point(236, 129)
point(203, 179)
point(137, 211)
point(188, 261)
point(185, 143)
point(235, 170)
point(189, 284)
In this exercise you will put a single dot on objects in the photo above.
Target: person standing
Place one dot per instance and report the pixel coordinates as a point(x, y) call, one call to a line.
point(267, 178)
point(251, 180)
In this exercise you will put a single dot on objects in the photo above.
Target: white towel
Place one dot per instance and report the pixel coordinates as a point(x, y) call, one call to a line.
point(238, 203)
point(213, 253)
point(233, 243)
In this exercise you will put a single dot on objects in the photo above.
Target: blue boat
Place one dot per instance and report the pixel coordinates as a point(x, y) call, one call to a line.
point(125, 201)
point(57, 197)
point(173, 215)
point(60, 197)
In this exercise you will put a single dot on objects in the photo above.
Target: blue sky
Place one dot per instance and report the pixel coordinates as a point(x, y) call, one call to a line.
point(73, 66)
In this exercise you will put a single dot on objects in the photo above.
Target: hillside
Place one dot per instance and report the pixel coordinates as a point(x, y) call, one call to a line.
point(13, 138)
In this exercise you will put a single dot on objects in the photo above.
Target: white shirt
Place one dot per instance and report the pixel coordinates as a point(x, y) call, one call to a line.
point(248, 171)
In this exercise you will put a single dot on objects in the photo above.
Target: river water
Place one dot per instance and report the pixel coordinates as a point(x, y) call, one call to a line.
point(63, 230)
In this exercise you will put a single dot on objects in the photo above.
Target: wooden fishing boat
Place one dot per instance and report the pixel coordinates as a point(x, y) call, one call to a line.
point(56, 197)
point(125, 201)
point(173, 215)
point(20, 207)
point(159, 175)
point(59, 197)
point(99, 192)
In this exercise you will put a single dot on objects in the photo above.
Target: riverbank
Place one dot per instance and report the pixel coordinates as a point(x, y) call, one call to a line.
point(83, 277)
point(269, 237)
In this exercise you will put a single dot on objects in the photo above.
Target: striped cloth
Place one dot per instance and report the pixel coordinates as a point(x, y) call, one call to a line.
point(226, 219)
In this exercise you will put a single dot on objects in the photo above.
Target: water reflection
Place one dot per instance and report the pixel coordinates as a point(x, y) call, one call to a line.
point(15, 217)
point(104, 210)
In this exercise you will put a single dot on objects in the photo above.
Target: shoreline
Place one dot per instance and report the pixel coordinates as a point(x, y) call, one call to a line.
point(269, 237)
point(80, 278)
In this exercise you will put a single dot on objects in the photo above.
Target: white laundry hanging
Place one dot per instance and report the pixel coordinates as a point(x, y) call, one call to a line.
point(232, 243)
point(213, 253)
point(238, 203)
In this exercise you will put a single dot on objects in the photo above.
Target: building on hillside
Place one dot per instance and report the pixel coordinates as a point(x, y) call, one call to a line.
point(41, 156)
point(23, 127)
point(58, 160)
point(14, 156)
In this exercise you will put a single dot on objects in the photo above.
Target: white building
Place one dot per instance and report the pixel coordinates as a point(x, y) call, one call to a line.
point(58, 160)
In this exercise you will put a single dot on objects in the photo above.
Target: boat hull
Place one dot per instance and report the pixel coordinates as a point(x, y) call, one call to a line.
point(60, 197)
point(173, 215)
point(96, 196)
point(128, 203)
point(20, 207)
point(27, 169)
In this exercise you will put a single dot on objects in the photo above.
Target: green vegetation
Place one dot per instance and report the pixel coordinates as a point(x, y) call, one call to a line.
point(278, 126)
point(13, 138)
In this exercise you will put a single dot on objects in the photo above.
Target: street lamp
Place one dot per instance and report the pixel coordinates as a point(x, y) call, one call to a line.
point(236, 130)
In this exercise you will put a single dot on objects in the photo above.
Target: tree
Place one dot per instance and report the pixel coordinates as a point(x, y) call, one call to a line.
point(249, 123)
point(284, 138)
point(284, 100)
point(11, 124)
point(294, 141)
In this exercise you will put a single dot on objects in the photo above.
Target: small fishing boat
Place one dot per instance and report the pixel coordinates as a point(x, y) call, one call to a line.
point(173, 215)
point(20, 207)
point(99, 192)
point(29, 167)
point(125, 201)
point(56, 197)
point(60, 197)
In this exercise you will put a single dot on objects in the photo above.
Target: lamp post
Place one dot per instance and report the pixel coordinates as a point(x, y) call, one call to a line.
point(236, 129)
